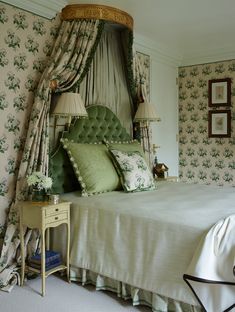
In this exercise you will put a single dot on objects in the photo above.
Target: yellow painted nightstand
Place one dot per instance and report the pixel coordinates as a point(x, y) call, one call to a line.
point(169, 179)
point(42, 216)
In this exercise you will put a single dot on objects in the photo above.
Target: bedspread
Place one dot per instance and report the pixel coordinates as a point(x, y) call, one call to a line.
point(211, 273)
point(146, 239)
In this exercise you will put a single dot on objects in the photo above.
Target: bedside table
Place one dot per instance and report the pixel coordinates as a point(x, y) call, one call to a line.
point(169, 179)
point(42, 216)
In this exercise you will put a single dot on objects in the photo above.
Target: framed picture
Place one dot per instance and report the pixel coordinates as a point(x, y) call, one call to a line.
point(219, 92)
point(219, 124)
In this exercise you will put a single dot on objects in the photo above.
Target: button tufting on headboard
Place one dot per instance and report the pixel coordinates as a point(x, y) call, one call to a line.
point(101, 124)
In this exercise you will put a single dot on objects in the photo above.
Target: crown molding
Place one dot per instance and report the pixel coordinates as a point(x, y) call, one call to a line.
point(210, 56)
point(43, 8)
point(158, 52)
point(161, 53)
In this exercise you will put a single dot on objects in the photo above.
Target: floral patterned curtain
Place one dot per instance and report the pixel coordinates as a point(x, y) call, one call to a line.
point(141, 95)
point(138, 87)
point(140, 79)
point(68, 64)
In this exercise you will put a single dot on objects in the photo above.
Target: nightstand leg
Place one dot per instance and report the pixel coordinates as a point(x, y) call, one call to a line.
point(68, 253)
point(22, 251)
point(43, 275)
point(48, 239)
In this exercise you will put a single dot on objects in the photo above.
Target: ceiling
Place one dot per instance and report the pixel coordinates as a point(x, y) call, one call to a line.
point(191, 31)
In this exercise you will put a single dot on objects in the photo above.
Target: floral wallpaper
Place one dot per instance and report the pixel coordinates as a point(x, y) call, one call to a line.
point(25, 44)
point(202, 159)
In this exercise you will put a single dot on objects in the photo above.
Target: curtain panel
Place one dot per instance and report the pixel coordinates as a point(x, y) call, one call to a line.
point(138, 86)
point(140, 82)
point(106, 81)
point(141, 94)
point(68, 64)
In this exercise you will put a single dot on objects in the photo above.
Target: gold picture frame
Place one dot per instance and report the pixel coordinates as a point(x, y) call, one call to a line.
point(219, 92)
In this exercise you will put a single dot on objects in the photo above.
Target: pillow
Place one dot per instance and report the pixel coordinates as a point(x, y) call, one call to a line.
point(134, 172)
point(93, 167)
point(129, 146)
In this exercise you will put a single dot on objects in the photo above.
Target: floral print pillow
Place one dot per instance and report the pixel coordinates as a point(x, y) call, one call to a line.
point(133, 170)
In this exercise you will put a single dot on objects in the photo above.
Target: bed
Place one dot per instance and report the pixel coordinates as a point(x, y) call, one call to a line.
point(139, 244)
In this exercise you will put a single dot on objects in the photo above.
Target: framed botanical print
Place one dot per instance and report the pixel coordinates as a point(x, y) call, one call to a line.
point(219, 124)
point(219, 92)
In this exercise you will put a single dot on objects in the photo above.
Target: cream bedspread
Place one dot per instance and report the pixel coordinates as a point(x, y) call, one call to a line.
point(214, 283)
point(146, 239)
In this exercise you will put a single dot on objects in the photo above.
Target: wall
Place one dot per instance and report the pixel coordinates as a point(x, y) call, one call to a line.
point(202, 159)
point(25, 43)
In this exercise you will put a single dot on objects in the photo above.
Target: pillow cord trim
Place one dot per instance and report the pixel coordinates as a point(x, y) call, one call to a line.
point(78, 174)
point(150, 183)
point(101, 124)
point(75, 167)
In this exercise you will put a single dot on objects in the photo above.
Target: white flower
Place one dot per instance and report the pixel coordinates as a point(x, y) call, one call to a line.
point(39, 181)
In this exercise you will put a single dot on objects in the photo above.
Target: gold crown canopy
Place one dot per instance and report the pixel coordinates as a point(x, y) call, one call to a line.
point(97, 11)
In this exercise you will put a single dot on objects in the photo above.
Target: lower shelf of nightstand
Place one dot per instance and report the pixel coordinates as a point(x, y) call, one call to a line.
point(48, 272)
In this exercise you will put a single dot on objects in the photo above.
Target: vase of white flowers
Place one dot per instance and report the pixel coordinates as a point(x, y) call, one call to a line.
point(39, 184)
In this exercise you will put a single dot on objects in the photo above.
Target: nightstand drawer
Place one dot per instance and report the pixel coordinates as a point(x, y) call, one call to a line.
point(55, 210)
point(56, 218)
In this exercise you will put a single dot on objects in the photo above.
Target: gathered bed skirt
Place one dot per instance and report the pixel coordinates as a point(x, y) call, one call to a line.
point(138, 296)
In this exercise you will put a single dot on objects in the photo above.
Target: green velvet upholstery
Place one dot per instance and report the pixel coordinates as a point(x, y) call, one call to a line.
point(101, 124)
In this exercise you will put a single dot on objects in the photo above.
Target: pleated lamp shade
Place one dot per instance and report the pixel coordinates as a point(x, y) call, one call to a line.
point(70, 105)
point(146, 112)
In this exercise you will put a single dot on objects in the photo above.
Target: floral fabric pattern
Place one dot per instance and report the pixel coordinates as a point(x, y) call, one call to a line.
point(141, 72)
point(66, 65)
point(134, 172)
point(141, 66)
point(202, 159)
point(24, 51)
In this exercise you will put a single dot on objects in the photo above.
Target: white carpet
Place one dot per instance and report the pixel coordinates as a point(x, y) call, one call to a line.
point(62, 297)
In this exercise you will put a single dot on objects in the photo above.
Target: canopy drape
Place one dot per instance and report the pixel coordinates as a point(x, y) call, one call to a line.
point(144, 134)
point(68, 64)
point(140, 82)
point(106, 81)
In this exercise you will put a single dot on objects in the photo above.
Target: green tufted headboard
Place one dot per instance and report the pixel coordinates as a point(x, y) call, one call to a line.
point(101, 124)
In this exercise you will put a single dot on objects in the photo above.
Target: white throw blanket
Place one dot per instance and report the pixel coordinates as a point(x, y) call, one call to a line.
point(211, 274)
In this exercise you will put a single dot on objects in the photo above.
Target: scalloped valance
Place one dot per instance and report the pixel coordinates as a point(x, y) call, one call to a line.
point(97, 11)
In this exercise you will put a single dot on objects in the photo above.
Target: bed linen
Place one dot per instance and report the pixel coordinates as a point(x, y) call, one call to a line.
point(216, 279)
point(146, 239)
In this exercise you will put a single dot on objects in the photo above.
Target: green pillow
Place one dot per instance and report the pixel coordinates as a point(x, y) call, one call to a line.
point(93, 167)
point(133, 170)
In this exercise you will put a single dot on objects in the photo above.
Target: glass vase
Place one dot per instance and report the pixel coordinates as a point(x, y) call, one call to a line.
point(38, 195)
